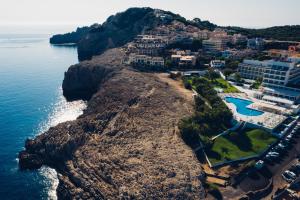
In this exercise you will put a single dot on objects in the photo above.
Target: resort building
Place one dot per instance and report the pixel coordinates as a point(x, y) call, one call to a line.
point(214, 45)
point(237, 54)
point(277, 78)
point(144, 60)
point(217, 63)
point(186, 61)
point(252, 69)
point(279, 53)
point(183, 60)
point(202, 35)
point(256, 44)
point(150, 44)
point(238, 39)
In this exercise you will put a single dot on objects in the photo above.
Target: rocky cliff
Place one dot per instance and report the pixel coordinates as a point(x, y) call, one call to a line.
point(73, 37)
point(126, 144)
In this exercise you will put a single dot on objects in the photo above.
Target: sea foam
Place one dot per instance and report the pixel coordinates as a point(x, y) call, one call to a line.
point(61, 111)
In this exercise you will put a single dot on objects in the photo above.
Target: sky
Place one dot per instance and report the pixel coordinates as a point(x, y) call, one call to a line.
point(245, 13)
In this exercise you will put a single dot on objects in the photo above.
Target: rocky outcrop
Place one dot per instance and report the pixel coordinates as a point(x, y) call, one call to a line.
point(82, 82)
point(126, 144)
point(70, 38)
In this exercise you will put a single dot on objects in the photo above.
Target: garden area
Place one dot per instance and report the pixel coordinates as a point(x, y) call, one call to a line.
point(220, 83)
point(239, 145)
point(211, 116)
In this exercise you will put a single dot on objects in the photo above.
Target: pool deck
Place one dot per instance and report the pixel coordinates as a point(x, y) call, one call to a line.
point(267, 119)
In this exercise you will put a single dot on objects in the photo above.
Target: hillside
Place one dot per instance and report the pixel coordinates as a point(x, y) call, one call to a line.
point(73, 37)
point(126, 145)
point(284, 33)
point(123, 27)
point(120, 29)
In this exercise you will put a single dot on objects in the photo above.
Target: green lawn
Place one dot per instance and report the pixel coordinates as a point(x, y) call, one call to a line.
point(238, 145)
point(224, 85)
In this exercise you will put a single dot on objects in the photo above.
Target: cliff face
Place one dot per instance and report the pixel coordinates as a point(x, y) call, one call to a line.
point(73, 37)
point(83, 82)
point(126, 144)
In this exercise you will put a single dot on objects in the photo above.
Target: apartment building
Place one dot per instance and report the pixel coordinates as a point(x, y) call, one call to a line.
point(252, 69)
point(144, 60)
point(183, 60)
point(202, 35)
point(237, 54)
point(277, 76)
point(239, 38)
point(150, 44)
point(217, 64)
point(255, 43)
point(214, 45)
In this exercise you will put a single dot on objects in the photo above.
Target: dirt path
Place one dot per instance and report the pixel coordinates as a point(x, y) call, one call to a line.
point(178, 85)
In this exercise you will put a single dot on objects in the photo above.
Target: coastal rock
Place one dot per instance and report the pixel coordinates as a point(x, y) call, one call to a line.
point(126, 144)
point(70, 38)
point(83, 82)
point(30, 161)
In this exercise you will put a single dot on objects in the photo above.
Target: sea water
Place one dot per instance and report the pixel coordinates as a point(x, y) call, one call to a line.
point(31, 101)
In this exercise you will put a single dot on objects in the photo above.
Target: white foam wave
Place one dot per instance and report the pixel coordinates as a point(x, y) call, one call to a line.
point(61, 111)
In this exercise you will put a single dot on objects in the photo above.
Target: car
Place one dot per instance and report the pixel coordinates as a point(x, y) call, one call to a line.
point(272, 157)
point(287, 144)
point(287, 140)
point(287, 178)
point(259, 164)
point(281, 145)
point(273, 153)
point(278, 149)
point(289, 136)
point(291, 174)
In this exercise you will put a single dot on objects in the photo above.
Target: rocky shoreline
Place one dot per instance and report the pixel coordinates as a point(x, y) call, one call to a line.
point(126, 143)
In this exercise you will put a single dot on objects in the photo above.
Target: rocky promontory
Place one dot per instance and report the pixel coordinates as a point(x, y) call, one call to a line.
point(126, 143)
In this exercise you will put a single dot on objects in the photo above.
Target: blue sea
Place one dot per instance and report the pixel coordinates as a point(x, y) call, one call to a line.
point(31, 101)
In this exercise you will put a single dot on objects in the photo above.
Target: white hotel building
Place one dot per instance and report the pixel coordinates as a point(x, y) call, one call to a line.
point(277, 77)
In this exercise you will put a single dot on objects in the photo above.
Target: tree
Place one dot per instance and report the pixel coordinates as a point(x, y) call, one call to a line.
point(232, 64)
point(213, 75)
point(227, 72)
point(189, 131)
point(256, 84)
point(187, 83)
point(168, 63)
point(237, 77)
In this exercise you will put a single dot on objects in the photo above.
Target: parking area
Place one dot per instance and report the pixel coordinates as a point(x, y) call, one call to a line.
point(283, 161)
point(280, 165)
point(282, 148)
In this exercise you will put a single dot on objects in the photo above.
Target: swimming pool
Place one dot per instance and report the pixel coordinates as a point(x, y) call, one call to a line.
point(241, 106)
